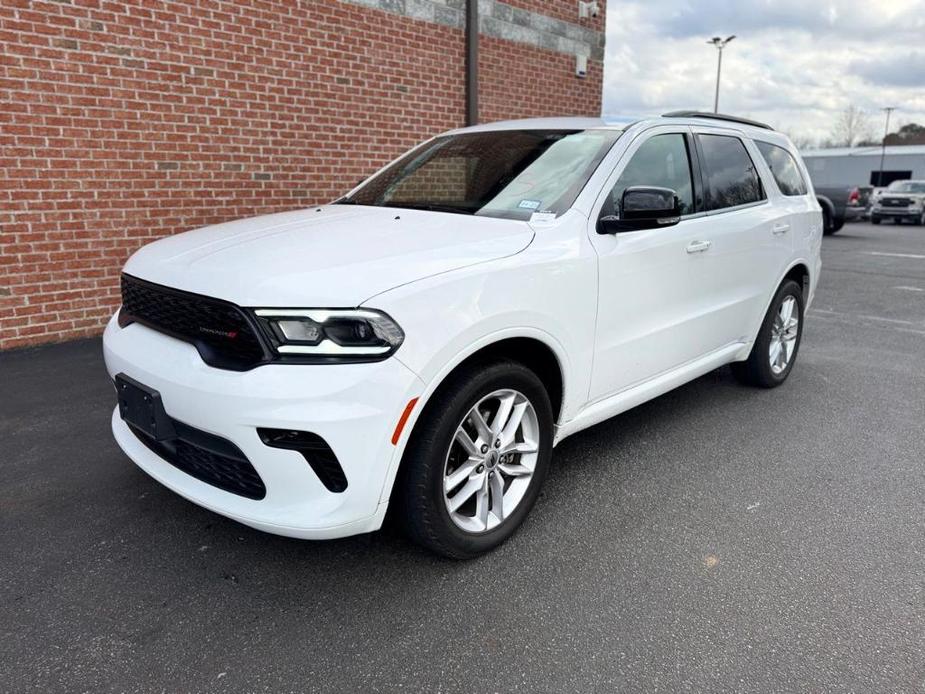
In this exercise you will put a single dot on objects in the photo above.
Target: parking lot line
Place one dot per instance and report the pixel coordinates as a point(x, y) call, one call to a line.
point(896, 255)
point(905, 326)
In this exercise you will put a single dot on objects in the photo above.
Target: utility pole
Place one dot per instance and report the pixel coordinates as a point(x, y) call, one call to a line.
point(886, 131)
point(720, 44)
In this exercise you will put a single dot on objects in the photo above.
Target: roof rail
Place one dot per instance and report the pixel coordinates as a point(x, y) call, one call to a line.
point(716, 116)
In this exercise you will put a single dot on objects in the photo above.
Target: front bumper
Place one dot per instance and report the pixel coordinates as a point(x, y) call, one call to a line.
point(887, 212)
point(353, 407)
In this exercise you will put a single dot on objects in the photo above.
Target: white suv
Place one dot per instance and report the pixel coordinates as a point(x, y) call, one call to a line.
point(426, 340)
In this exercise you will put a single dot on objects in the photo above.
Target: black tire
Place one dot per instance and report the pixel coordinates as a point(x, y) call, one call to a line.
point(756, 370)
point(875, 220)
point(422, 509)
point(837, 225)
point(827, 228)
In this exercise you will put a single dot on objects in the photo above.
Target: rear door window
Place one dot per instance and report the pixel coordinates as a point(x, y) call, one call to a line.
point(729, 174)
point(784, 168)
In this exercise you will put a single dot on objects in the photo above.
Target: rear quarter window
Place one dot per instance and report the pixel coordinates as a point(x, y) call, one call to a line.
point(784, 168)
point(729, 173)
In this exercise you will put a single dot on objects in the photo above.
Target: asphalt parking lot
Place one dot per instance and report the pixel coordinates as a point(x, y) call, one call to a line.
point(717, 538)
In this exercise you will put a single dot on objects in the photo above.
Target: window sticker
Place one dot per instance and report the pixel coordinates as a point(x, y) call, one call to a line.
point(542, 217)
point(530, 204)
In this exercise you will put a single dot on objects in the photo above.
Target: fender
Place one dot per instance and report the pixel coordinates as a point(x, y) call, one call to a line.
point(770, 297)
point(424, 398)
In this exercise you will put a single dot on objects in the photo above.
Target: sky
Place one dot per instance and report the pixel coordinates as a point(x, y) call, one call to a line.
point(795, 64)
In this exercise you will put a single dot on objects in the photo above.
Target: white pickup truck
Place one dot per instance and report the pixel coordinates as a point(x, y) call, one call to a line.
point(901, 200)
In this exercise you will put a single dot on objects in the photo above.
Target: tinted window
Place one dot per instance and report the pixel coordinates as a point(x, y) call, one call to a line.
point(784, 169)
point(661, 161)
point(729, 174)
point(503, 173)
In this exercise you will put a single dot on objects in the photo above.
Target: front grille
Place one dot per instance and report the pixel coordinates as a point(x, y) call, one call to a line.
point(208, 458)
point(895, 202)
point(223, 333)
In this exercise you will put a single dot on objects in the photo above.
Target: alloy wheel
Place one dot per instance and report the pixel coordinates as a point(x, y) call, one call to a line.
point(491, 461)
point(784, 333)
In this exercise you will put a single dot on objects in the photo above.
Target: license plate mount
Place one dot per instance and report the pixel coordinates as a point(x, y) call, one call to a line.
point(142, 408)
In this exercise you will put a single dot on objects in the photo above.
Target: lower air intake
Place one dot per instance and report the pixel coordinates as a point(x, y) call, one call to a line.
point(314, 449)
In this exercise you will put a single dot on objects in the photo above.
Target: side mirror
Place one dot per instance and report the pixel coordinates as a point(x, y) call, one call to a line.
point(643, 207)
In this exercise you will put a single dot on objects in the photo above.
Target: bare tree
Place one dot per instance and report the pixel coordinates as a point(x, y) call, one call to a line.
point(851, 126)
point(802, 141)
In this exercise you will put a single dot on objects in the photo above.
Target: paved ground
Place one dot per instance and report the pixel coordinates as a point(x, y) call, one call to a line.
point(718, 538)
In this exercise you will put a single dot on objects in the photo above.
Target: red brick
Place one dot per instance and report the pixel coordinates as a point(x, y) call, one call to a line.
point(128, 121)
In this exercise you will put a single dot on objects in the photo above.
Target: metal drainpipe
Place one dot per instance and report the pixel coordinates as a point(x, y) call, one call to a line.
point(472, 62)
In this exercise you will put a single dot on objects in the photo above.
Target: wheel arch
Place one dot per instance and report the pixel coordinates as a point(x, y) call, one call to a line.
point(536, 349)
point(533, 353)
point(799, 272)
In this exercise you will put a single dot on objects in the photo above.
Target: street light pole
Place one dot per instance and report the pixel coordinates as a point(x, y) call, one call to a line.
point(720, 44)
point(886, 131)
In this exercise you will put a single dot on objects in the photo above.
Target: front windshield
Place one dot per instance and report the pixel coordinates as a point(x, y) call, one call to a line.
point(502, 173)
point(907, 187)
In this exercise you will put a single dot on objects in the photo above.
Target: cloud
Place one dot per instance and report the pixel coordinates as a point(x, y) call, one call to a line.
point(794, 64)
point(906, 70)
point(837, 18)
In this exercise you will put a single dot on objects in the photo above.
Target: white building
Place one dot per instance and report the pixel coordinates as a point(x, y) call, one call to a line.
point(857, 166)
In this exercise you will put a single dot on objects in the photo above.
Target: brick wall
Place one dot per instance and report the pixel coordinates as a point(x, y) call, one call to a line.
point(566, 11)
point(121, 122)
point(520, 81)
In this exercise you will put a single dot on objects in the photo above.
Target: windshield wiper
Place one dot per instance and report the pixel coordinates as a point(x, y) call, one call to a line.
point(430, 207)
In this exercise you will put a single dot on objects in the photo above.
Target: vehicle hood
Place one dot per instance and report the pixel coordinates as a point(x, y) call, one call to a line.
point(332, 256)
point(893, 194)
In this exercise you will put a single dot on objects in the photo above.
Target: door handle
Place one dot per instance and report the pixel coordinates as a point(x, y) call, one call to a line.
point(781, 228)
point(699, 246)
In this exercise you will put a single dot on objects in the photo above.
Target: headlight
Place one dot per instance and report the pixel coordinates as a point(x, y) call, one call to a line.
point(325, 335)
